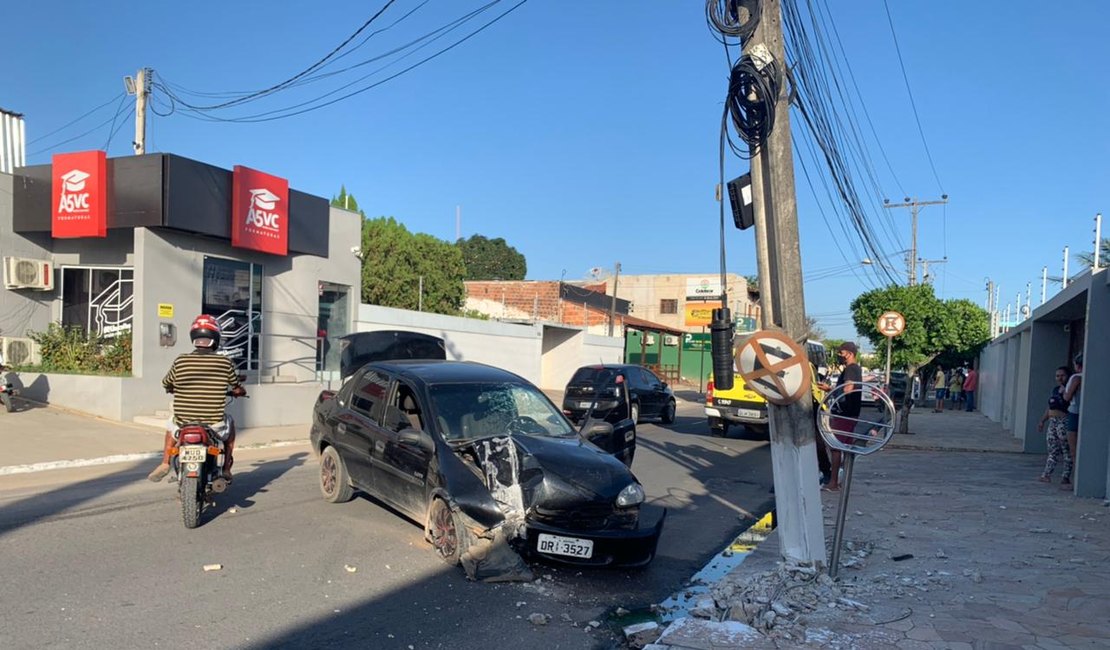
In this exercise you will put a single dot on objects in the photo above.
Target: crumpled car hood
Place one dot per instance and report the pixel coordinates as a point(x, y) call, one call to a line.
point(571, 470)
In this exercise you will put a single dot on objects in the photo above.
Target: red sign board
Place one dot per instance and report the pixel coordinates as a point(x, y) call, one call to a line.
point(260, 211)
point(80, 189)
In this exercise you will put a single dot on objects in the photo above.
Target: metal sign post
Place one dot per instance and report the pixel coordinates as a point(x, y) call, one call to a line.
point(866, 437)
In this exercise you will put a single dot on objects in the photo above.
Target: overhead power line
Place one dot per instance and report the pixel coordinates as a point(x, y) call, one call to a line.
point(76, 120)
point(909, 91)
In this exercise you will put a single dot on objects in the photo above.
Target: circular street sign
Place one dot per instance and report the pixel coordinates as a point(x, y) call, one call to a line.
point(774, 366)
point(891, 324)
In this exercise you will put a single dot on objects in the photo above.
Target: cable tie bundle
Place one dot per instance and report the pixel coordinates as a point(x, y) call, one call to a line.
point(737, 18)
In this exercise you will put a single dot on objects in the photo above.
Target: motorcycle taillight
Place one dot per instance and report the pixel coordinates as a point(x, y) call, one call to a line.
point(192, 436)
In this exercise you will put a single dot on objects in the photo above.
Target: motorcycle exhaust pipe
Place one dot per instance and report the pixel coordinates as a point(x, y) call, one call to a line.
point(219, 485)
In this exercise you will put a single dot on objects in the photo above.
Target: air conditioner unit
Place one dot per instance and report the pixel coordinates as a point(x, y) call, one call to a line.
point(670, 339)
point(649, 339)
point(20, 352)
point(20, 273)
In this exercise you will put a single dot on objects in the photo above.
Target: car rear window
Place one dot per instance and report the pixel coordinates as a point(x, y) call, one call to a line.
point(592, 374)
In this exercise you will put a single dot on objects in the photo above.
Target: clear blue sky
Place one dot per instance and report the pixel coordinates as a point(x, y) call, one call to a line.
point(585, 131)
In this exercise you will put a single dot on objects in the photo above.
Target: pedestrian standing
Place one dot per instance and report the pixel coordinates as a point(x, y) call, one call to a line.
point(971, 384)
point(845, 410)
point(1071, 394)
point(1056, 416)
point(955, 385)
point(938, 388)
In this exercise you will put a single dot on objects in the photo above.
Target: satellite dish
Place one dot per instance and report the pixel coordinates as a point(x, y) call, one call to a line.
point(596, 273)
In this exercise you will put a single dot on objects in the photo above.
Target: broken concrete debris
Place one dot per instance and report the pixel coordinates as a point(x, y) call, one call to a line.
point(538, 619)
point(641, 634)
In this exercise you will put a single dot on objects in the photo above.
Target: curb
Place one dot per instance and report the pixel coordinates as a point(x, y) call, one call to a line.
point(122, 458)
point(892, 445)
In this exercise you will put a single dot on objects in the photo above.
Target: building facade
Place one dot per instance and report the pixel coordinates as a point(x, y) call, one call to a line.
point(139, 246)
point(684, 301)
point(1017, 368)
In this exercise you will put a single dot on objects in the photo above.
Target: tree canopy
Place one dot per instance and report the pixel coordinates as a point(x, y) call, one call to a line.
point(1088, 259)
point(953, 330)
point(346, 201)
point(491, 259)
point(394, 260)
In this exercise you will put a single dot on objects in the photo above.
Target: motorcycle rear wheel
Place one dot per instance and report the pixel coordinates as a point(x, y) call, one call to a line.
point(190, 501)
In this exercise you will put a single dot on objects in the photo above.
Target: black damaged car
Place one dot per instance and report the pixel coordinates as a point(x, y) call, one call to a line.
point(474, 453)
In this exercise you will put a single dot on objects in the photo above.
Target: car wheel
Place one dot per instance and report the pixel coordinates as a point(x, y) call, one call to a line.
point(450, 538)
point(634, 413)
point(335, 483)
point(668, 413)
point(718, 427)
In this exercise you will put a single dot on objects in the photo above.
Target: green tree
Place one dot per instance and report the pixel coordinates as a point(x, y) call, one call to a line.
point(346, 201)
point(1088, 259)
point(933, 328)
point(396, 262)
point(491, 259)
point(831, 346)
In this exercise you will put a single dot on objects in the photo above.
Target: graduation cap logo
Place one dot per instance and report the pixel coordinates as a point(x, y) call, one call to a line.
point(74, 180)
point(264, 199)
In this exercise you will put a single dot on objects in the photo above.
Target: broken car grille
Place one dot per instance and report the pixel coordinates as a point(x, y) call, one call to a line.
point(591, 517)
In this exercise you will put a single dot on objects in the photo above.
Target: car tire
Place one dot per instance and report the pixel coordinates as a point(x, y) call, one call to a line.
point(335, 482)
point(718, 427)
point(667, 416)
point(634, 413)
point(449, 537)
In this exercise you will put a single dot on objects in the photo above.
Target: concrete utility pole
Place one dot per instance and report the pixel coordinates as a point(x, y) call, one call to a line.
point(925, 268)
point(141, 92)
point(793, 434)
point(1044, 284)
point(1065, 279)
point(1098, 242)
point(613, 302)
point(914, 205)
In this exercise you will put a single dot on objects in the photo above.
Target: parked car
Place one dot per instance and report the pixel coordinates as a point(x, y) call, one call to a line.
point(467, 450)
point(616, 389)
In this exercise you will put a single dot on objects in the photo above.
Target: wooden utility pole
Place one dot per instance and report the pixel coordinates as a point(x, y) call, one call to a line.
point(793, 434)
point(613, 302)
point(914, 205)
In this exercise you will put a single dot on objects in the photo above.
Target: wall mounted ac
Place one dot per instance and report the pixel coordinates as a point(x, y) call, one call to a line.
point(670, 339)
point(22, 273)
point(649, 339)
point(20, 351)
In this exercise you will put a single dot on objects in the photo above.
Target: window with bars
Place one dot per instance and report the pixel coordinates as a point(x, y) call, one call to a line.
point(668, 306)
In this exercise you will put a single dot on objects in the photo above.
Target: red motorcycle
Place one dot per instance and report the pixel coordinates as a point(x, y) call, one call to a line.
point(198, 462)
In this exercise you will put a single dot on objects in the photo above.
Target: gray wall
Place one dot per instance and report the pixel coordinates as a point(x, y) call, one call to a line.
point(1049, 350)
point(22, 311)
point(1092, 478)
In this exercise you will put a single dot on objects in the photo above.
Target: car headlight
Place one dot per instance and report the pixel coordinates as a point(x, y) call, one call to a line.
point(633, 495)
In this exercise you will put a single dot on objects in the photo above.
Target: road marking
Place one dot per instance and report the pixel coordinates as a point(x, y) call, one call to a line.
point(121, 458)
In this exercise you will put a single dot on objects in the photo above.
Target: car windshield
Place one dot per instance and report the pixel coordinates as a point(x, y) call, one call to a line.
point(480, 410)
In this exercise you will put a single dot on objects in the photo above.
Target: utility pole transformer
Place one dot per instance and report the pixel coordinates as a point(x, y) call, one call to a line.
point(914, 205)
point(793, 433)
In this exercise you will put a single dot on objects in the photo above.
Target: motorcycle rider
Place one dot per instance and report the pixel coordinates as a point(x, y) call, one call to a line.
point(199, 381)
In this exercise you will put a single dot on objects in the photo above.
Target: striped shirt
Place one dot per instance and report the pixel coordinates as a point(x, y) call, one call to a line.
point(200, 381)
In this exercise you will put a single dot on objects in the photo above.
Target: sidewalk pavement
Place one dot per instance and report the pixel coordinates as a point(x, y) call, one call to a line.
point(38, 438)
point(950, 543)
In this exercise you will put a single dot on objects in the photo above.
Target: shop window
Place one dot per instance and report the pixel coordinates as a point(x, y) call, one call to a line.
point(232, 294)
point(98, 300)
point(668, 306)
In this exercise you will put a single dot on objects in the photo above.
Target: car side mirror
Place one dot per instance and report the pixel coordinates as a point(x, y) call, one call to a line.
point(412, 438)
point(599, 429)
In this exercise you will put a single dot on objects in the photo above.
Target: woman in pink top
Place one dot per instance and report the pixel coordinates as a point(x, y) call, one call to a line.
point(971, 384)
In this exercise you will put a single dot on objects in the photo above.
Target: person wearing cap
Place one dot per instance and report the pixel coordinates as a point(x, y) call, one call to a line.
point(1071, 394)
point(846, 410)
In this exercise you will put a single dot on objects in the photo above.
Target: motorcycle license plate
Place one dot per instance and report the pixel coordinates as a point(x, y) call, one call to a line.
point(193, 454)
point(570, 546)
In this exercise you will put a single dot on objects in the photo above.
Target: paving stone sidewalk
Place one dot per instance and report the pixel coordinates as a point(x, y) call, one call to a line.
point(988, 557)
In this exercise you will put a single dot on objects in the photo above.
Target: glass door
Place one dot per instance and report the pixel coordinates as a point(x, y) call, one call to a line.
point(232, 294)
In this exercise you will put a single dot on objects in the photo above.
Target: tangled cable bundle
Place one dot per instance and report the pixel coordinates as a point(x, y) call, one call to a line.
point(750, 104)
point(737, 18)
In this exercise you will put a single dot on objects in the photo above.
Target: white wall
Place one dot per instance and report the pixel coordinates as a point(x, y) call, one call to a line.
point(512, 346)
point(100, 396)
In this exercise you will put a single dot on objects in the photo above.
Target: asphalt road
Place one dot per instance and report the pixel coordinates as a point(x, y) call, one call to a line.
point(98, 557)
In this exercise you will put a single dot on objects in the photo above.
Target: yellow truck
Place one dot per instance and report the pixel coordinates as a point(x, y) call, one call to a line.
point(742, 406)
